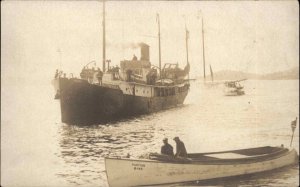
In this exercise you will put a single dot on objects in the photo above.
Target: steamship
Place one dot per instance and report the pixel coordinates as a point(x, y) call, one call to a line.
point(136, 88)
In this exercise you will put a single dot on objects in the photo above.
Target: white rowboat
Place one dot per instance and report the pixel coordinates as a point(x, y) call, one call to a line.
point(161, 169)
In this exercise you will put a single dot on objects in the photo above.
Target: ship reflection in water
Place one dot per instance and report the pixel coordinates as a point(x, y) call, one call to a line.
point(84, 148)
point(203, 124)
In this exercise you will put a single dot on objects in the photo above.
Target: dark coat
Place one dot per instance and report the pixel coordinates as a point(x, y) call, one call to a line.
point(167, 149)
point(180, 149)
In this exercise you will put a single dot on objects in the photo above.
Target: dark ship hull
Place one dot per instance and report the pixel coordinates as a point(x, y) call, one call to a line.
point(58, 83)
point(85, 103)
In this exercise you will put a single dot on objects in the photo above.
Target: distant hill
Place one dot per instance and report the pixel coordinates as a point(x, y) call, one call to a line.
point(282, 75)
point(292, 73)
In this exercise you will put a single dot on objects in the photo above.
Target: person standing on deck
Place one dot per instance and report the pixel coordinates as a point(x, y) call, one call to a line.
point(180, 148)
point(167, 149)
point(134, 58)
point(117, 69)
point(99, 76)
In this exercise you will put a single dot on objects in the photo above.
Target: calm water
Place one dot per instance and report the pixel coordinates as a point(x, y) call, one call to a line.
point(38, 150)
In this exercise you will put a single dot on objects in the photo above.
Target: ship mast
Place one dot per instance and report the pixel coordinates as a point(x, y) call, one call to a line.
point(203, 51)
point(103, 22)
point(187, 48)
point(159, 51)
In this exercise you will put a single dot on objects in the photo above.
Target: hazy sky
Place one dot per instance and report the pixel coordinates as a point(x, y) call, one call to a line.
point(37, 37)
point(250, 36)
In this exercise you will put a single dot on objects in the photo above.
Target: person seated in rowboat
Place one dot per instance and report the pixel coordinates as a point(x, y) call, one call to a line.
point(180, 148)
point(167, 149)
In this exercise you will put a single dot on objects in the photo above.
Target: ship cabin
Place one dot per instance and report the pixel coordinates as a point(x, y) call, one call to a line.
point(92, 75)
point(173, 72)
point(135, 70)
point(139, 78)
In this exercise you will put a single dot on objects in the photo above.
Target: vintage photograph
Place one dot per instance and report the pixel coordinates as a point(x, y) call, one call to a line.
point(116, 93)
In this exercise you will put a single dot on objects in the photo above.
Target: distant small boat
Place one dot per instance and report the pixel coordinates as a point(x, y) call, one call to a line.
point(162, 169)
point(233, 88)
point(212, 83)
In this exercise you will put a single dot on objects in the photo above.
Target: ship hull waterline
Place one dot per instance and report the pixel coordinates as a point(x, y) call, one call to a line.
point(85, 104)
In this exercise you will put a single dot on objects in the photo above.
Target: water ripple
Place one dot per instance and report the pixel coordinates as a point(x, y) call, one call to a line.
point(204, 123)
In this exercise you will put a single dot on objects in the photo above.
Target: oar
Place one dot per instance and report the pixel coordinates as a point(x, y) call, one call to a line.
point(293, 125)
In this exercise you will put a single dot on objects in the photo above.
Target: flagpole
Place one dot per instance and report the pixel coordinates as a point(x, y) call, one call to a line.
point(103, 40)
point(294, 123)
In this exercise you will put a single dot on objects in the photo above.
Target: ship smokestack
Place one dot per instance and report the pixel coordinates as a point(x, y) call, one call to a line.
point(144, 52)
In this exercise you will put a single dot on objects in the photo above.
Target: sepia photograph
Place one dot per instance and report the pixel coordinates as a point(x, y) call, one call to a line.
point(113, 93)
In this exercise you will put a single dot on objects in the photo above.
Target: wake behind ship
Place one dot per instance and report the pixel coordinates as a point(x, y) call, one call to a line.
point(133, 89)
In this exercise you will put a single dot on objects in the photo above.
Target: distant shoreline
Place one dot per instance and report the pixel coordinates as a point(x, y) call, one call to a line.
point(291, 74)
